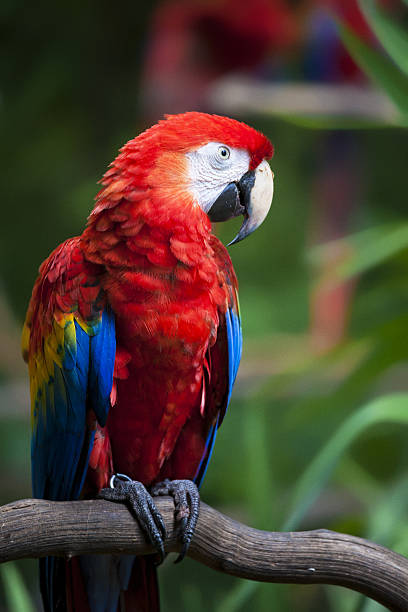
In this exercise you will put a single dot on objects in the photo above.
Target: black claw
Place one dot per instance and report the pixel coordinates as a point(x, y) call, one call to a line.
point(142, 507)
point(187, 507)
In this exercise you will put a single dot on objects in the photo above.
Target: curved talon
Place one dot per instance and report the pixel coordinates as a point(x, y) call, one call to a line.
point(187, 506)
point(141, 506)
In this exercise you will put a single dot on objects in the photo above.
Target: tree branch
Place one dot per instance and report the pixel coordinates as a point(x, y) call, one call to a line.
point(36, 528)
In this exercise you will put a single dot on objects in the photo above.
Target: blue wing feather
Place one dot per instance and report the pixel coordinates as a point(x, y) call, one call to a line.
point(209, 445)
point(234, 351)
point(101, 368)
point(83, 381)
point(234, 336)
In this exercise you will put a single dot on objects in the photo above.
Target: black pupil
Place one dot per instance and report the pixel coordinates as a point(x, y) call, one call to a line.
point(224, 152)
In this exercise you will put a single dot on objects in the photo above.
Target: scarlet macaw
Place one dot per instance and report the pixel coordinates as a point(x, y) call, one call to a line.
point(133, 342)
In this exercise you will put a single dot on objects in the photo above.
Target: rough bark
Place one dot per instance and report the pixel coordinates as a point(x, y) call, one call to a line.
point(35, 528)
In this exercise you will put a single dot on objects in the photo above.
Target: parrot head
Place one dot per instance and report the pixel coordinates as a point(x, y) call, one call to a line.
point(244, 191)
point(207, 161)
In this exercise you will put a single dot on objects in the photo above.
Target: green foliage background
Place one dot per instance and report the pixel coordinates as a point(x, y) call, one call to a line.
point(310, 440)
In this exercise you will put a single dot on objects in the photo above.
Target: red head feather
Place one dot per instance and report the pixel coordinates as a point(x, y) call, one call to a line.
point(191, 130)
point(188, 131)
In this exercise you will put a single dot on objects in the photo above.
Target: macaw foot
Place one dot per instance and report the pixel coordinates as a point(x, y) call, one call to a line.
point(141, 505)
point(187, 505)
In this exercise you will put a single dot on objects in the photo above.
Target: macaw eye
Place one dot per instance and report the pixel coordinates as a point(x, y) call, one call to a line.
point(223, 153)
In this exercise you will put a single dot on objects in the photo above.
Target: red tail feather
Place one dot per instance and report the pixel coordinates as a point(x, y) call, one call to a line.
point(142, 594)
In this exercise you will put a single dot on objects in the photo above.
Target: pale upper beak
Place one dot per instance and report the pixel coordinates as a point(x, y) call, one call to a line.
point(251, 197)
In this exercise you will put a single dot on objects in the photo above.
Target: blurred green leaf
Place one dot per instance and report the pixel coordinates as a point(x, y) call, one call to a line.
point(385, 516)
point(388, 409)
point(373, 247)
point(358, 481)
point(259, 481)
point(392, 36)
point(369, 248)
point(238, 597)
point(345, 603)
point(16, 593)
point(380, 69)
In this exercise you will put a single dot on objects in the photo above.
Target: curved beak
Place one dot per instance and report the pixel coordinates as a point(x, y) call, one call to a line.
point(251, 197)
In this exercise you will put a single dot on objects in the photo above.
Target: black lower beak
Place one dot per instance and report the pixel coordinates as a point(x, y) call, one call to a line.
point(234, 200)
point(251, 197)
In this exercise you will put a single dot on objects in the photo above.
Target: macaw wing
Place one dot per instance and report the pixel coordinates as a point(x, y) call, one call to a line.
point(69, 343)
point(223, 358)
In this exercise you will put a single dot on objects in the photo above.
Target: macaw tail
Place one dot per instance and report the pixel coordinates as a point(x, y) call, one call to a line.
point(99, 583)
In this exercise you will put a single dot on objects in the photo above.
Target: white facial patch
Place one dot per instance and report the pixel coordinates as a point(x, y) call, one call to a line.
point(211, 168)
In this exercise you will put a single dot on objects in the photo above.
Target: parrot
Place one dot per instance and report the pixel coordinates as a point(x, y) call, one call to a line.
point(133, 340)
